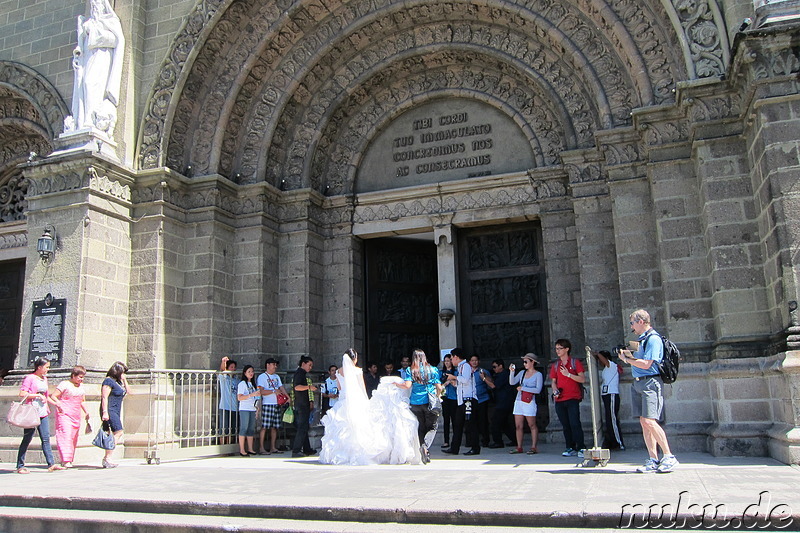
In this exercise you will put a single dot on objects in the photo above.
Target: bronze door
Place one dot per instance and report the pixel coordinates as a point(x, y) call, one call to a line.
point(402, 300)
point(12, 278)
point(502, 290)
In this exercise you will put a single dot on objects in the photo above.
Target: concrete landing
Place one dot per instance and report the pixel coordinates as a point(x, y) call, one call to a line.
point(492, 489)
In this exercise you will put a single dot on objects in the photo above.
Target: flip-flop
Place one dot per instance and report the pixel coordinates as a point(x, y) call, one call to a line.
point(533, 451)
point(23, 471)
point(516, 450)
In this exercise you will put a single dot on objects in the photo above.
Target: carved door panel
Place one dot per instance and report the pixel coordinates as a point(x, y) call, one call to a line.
point(402, 300)
point(12, 277)
point(502, 292)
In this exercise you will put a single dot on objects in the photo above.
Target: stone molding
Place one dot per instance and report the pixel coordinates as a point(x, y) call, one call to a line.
point(765, 54)
point(41, 182)
point(454, 196)
point(13, 240)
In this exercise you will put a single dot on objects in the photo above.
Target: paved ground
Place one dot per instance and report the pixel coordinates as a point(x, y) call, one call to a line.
point(277, 493)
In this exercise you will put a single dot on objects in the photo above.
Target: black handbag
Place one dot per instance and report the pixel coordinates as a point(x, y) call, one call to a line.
point(104, 438)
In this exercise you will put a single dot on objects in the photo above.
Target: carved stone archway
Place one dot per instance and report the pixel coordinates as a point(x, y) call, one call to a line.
point(31, 115)
point(265, 92)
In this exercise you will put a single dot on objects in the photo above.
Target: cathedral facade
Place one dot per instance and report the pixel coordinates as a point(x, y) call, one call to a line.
point(296, 177)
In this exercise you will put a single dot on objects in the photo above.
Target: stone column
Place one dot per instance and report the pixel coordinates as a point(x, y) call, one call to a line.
point(87, 199)
point(766, 68)
point(594, 227)
point(635, 234)
point(301, 272)
point(448, 284)
point(343, 288)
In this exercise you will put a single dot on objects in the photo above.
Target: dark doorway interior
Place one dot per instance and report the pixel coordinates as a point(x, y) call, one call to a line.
point(402, 299)
point(503, 307)
point(12, 277)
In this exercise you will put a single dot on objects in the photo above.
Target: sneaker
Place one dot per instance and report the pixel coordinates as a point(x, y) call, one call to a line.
point(648, 467)
point(667, 464)
point(580, 454)
point(568, 452)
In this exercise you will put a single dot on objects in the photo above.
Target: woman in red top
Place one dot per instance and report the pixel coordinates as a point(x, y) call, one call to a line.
point(567, 378)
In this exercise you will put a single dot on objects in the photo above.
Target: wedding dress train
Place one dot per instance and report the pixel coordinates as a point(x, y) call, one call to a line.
point(360, 431)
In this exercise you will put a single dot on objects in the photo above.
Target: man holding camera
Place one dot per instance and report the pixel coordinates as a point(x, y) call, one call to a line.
point(647, 398)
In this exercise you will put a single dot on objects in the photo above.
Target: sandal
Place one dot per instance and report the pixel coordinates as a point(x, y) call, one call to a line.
point(533, 451)
point(276, 451)
point(23, 470)
point(54, 468)
point(516, 450)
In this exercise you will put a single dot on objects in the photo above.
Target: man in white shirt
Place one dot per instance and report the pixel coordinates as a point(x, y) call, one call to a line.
point(465, 390)
point(270, 385)
point(331, 390)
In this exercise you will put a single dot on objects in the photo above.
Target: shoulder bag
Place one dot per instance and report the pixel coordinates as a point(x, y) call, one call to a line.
point(23, 415)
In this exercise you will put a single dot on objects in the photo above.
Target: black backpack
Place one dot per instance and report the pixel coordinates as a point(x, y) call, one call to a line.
point(670, 362)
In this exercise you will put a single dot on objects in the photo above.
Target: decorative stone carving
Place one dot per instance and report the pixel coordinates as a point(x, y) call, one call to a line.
point(433, 207)
point(704, 30)
point(48, 106)
point(545, 189)
point(97, 62)
point(715, 107)
point(67, 181)
point(107, 186)
point(13, 240)
point(621, 153)
point(665, 132)
point(12, 198)
point(770, 63)
point(584, 173)
point(155, 118)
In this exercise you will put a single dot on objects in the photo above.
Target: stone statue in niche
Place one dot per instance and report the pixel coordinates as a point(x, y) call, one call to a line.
point(97, 61)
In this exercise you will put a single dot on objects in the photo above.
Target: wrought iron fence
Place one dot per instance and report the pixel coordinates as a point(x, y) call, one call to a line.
point(184, 415)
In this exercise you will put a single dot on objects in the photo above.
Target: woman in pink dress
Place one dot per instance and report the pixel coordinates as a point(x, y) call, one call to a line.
point(69, 397)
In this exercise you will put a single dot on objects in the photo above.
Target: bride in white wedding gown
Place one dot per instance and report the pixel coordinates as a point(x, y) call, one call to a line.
point(360, 431)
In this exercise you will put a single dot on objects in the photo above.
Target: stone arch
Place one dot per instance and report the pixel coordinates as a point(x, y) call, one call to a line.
point(243, 71)
point(31, 116)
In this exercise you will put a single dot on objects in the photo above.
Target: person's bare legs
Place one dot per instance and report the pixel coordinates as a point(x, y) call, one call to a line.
point(534, 431)
point(109, 453)
point(519, 425)
point(654, 437)
point(273, 439)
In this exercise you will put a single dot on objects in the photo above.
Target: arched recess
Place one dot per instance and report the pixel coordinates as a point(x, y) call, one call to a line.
point(258, 83)
point(31, 115)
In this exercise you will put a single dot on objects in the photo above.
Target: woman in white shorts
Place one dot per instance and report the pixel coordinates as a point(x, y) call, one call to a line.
point(529, 383)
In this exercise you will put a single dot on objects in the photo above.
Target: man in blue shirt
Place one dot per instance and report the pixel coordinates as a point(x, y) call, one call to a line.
point(647, 398)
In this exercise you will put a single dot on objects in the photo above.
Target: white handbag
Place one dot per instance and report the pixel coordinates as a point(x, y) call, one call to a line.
point(23, 415)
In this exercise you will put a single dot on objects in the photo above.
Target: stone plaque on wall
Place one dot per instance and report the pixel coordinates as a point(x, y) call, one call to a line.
point(47, 330)
point(444, 140)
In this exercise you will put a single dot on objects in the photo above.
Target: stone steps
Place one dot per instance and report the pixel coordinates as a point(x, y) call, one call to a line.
point(30, 520)
point(82, 515)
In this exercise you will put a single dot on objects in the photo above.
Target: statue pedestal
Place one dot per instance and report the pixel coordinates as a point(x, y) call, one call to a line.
point(85, 140)
point(770, 12)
